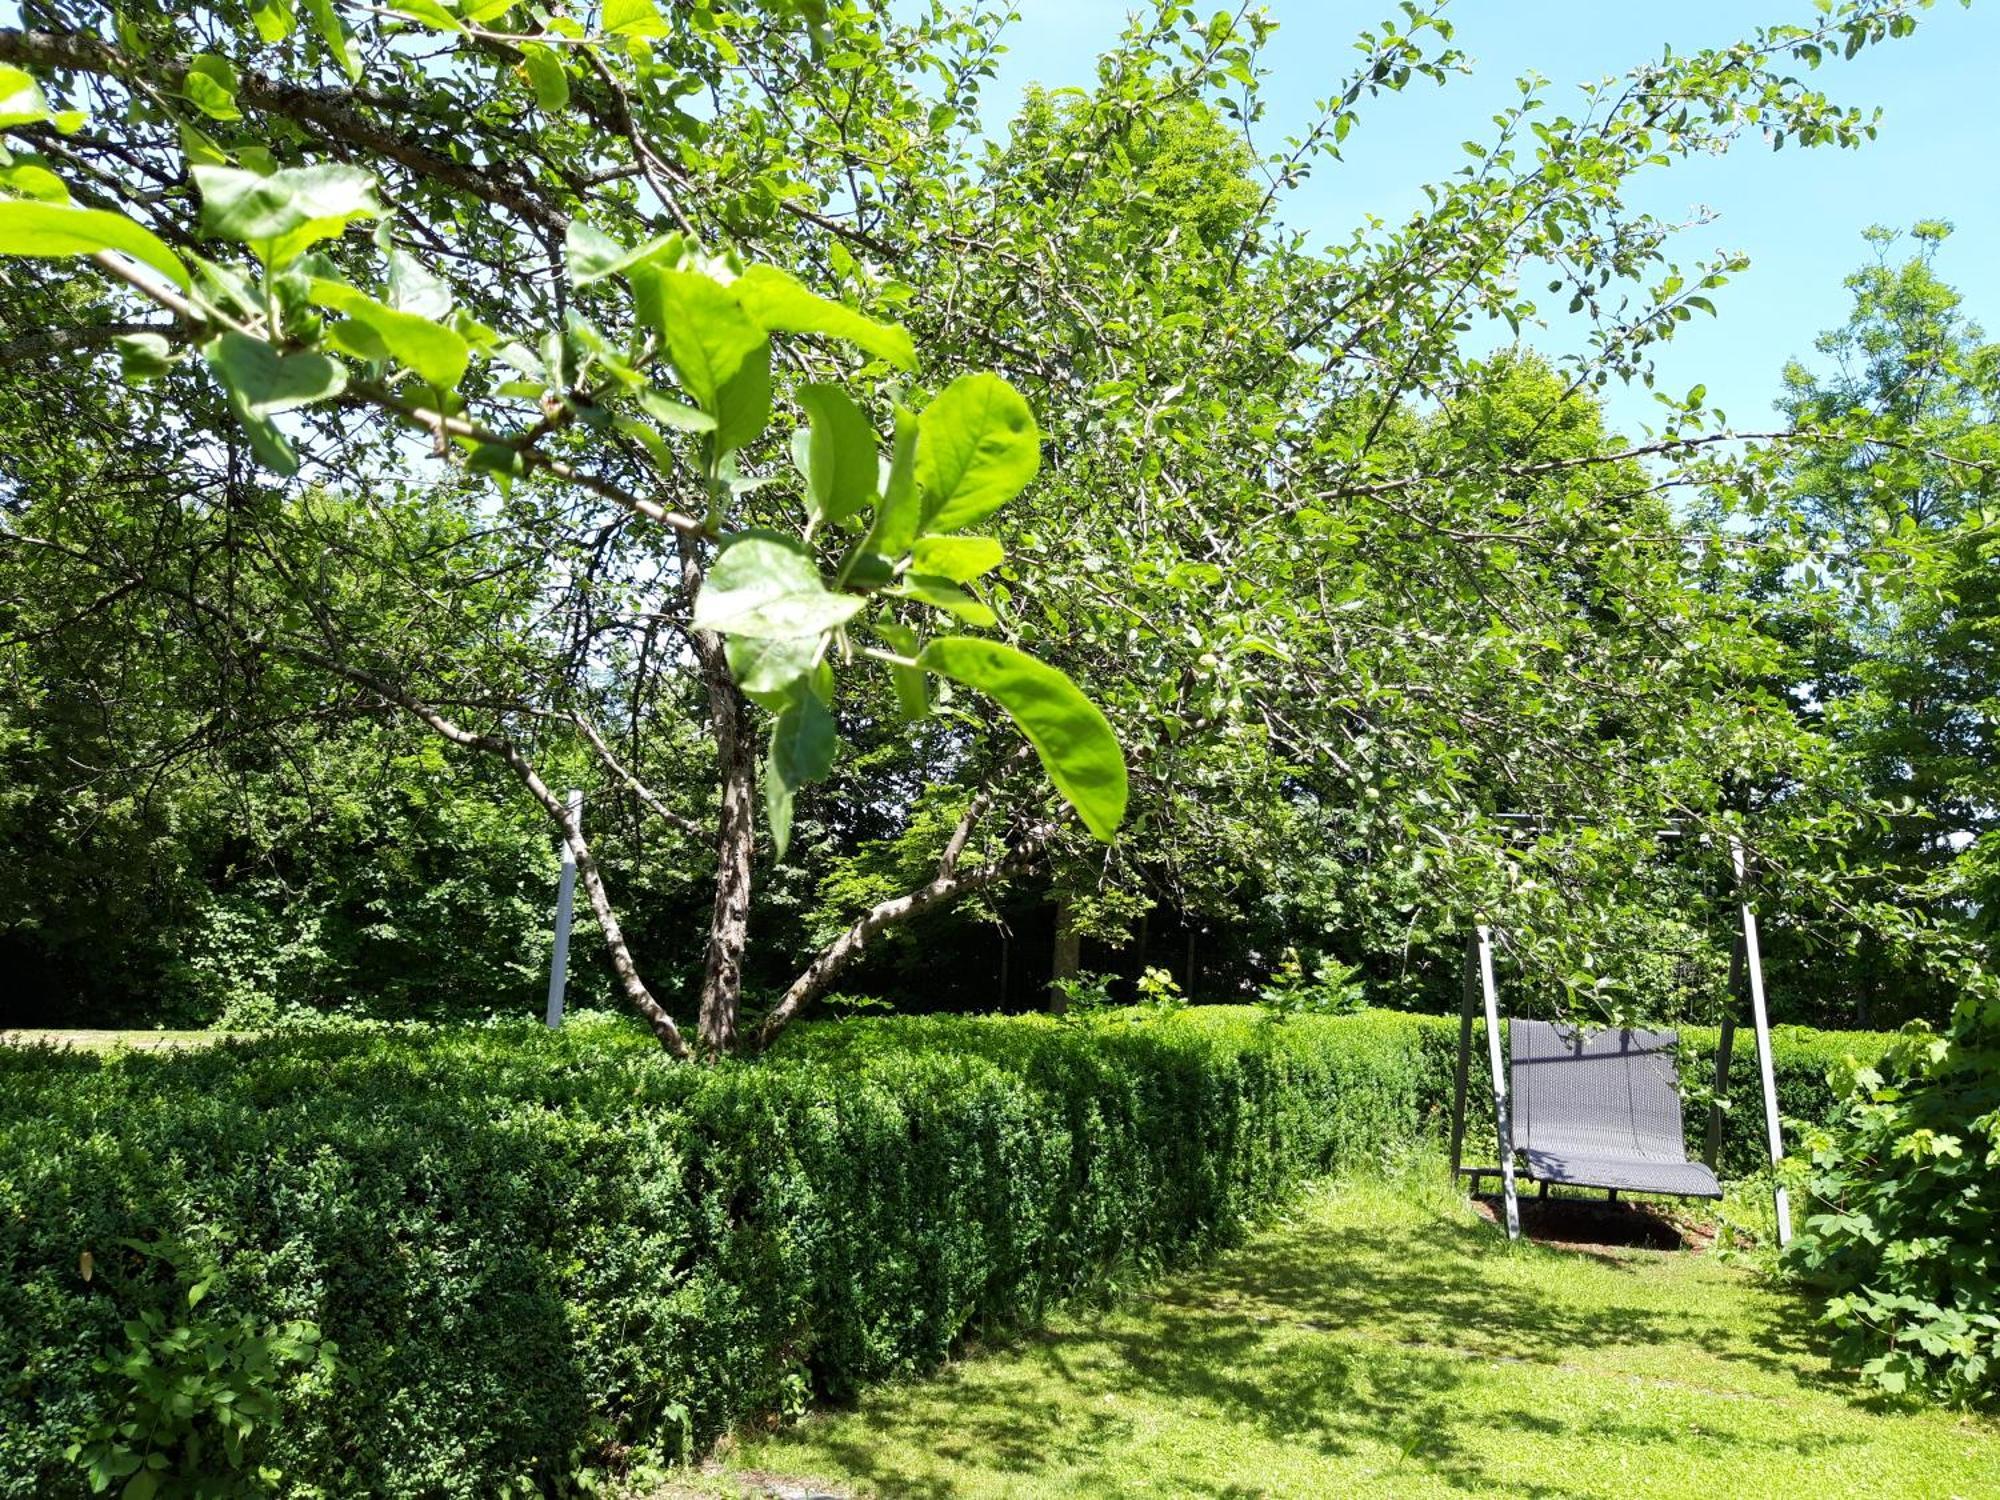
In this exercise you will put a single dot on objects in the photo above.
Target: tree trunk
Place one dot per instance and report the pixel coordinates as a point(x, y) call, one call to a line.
point(729, 922)
point(1069, 954)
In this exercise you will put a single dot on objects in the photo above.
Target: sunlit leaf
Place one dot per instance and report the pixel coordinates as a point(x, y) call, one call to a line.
point(979, 448)
point(437, 353)
point(1073, 738)
point(764, 584)
point(841, 461)
point(49, 230)
point(778, 303)
point(958, 558)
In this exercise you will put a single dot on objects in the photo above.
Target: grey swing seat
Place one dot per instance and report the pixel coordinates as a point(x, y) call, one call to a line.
point(1601, 1111)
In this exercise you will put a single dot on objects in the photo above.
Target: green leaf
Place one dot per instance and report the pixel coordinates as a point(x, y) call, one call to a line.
point(29, 179)
point(978, 449)
point(591, 254)
point(547, 76)
point(269, 382)
point(327, 23)
point(771, 672)
point(675, 414)
point(286, 213)
point(22, 102)
point(778, 303)
point(942, 593)
point(57, 229)
point(803, 743)
point(438, 354)
point(708, 337)
point(274, 19)
point(913, 698)
point(1073, 738)
point(199, 149)
point(777, 809)
point(767, 585)
point(260, 382)
point(743, 405)
point(143, 357)
point(429, 12)
point(210, 86)
point(959, 558)
point(636, 18)
point(841, 463)
point(899, 511)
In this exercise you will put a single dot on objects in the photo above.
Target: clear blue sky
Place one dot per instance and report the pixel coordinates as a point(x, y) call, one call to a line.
point(1798, 215)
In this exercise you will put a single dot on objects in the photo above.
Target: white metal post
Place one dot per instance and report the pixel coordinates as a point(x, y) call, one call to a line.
point(1753, 963)
point(1500, 1117)
point(565, 894)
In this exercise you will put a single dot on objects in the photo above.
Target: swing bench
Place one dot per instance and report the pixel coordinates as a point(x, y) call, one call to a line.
point(1604, 1110)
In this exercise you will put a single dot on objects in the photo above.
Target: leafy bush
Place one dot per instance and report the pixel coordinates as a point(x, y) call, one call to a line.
point(538, 1250)
point(1903, 1232)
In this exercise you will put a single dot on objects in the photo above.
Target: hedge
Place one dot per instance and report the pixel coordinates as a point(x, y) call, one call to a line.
point(535, 1250)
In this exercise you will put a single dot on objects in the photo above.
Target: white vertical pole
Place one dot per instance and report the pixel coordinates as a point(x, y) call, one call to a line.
point(565, 895)
point(1753, 963)
point(1501, 1123)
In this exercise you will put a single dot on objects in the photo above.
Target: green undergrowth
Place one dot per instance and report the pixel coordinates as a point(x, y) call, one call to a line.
point(1381, 1339)
point(526, 1257)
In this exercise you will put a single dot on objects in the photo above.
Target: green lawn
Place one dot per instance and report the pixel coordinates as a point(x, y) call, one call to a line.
point(1381, 1340)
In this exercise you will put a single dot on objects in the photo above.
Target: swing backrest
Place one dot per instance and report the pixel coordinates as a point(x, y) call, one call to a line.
point(1609, 1095)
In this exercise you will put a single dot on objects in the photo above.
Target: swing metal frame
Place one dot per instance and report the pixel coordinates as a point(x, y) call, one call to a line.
point(1746, 980)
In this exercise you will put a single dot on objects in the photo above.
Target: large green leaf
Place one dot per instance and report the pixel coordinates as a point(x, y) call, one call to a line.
point(978, 449)
point(959, 558)
point(327, 23)
point(286, 213)
point(260, 382)
point(778, 303)
point(437, 353)
point(899, 510)
point(771, 672)
point(767, 585)
point(23, 103)
point(1073, 738)
point(633, 18)
point(591, 254)
point(50, 230)
point(942, 593)
point(547, 76)
point(743, 404)
point(708, 336)
point(841, 463)
point(803, 743)
point(268, 382)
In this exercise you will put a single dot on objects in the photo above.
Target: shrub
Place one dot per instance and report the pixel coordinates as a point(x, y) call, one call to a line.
point(1903, 1233)
point(536, 1250)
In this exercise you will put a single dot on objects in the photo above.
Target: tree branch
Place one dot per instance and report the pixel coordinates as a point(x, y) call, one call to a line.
point(843, 950)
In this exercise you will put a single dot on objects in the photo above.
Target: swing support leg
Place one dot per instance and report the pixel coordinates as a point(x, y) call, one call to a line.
point(1478, 984)
point(1753, 973)
point(1503, 1124)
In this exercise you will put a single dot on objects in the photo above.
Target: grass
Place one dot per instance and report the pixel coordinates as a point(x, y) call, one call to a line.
point(1382, 1340)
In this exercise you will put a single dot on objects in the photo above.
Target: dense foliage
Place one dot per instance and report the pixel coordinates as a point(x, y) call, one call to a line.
point(458, 1259)
point(1903, 1236)
point(553, 311)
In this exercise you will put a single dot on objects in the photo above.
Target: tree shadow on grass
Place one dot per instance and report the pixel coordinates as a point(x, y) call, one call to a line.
point(1337, 1341)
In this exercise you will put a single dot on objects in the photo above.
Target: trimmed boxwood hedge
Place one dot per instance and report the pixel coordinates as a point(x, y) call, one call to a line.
point(535, 1249)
